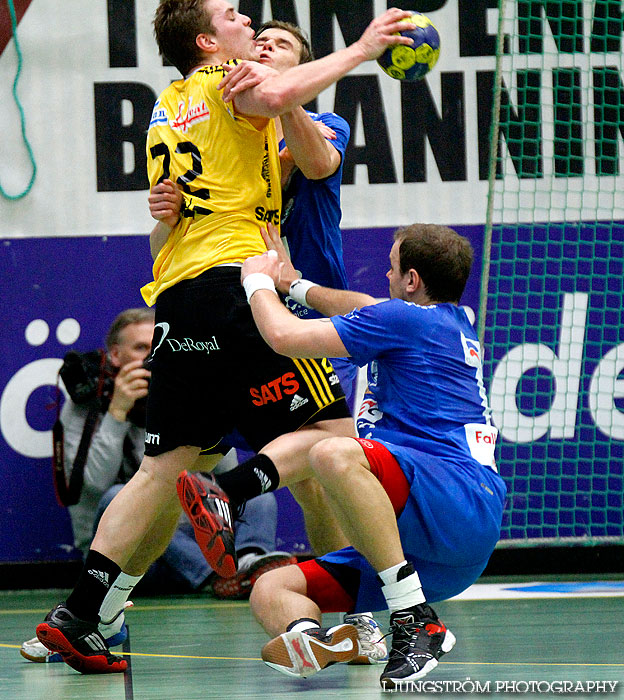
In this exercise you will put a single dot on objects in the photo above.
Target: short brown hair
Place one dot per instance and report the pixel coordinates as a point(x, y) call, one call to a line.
point(306, 50)
point(127, 318)
point(441, 257)
point(176, 26)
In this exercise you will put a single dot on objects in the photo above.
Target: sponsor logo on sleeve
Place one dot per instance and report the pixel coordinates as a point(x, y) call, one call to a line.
point(159, 115)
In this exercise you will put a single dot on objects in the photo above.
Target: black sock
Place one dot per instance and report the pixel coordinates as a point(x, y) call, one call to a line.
point(249, 550)
point(406, 570)
point(303, 619)
point(251, 478)
point(97, 576)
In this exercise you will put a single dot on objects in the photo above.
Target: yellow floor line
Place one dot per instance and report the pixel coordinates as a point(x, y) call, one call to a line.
point(139, 608)
point(181, 656)
point(450, 663)
point(163, 656)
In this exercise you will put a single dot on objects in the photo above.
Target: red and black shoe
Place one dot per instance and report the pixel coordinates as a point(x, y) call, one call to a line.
point(239, 587)
point(79, 642)
point(208, 508)
point(419, 639)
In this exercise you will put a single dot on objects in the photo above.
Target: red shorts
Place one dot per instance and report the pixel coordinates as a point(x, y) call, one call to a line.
point(388, 472)
point(334, 587)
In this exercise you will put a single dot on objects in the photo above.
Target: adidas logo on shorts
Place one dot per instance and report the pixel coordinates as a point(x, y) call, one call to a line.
point(297, 402)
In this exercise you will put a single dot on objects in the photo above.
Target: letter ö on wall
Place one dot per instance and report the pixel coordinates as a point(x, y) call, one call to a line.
point(14, 425)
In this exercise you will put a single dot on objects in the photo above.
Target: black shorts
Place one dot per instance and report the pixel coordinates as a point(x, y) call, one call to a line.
point(212, 372)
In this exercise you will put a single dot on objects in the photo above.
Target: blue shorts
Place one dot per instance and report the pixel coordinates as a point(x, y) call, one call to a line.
point(449, 527)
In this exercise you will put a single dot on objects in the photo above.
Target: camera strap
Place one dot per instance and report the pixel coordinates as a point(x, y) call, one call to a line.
point(68, 494)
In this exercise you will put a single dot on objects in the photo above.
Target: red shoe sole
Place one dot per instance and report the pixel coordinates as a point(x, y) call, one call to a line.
point(54, 640)
point(239, 587)
point(269, 566)
point(207, 530)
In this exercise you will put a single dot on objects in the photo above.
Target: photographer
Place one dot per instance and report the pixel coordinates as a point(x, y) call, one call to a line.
point(116, 446)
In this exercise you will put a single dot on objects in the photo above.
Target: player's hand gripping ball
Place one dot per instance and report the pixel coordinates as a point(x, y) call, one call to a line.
point(413, 62)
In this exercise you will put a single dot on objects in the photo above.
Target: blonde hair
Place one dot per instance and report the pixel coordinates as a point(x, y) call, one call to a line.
point(124, 319)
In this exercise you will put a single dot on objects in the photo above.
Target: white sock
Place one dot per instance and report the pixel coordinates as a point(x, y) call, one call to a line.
point(360, 614)
point(304, 625)
point(111, 610)
point(401, 594)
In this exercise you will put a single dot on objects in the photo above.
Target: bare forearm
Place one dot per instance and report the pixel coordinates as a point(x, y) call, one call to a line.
point(336, 302)
point(158, 238)
point(292, 336)
point(328, 301)
point(284, 92)
point(312, 152)
point(275, 323)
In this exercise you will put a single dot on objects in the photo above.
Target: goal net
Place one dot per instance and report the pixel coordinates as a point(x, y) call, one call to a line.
point(552, 303)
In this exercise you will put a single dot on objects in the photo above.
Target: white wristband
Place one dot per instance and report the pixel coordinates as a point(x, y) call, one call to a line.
point(299, 290)
point(255, 281)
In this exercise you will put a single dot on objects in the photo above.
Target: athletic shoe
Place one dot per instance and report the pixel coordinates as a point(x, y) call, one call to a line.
point(419, 639)
point(208, 509)
point(302, 654)
point(34, 650)
point(373, 649)
point(250, 568)
point(79, 642)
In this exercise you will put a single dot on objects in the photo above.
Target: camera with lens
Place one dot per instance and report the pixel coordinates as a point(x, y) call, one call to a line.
point(89, 378)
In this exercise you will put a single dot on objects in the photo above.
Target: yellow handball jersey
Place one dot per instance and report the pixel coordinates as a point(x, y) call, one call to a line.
point(228, 169)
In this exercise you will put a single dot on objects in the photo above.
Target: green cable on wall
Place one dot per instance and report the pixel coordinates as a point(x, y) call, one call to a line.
point(21, 111)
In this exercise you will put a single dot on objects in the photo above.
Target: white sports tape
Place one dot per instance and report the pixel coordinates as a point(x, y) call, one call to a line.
point(299, 290)
point(255, 281)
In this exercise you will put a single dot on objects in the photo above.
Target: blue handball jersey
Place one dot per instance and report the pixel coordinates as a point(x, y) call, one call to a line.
point(425, 379)
point(311, 220)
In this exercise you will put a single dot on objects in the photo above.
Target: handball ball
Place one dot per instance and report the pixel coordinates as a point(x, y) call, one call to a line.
point(415, 61)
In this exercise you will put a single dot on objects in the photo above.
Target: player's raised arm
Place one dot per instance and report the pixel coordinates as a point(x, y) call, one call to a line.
point(283, 92)
point(309, 142)
point(312, 152)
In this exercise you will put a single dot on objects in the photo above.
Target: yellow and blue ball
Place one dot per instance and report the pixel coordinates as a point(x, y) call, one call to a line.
point(413, 62)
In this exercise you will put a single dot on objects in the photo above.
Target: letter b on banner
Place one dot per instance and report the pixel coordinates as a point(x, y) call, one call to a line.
point(114, 128)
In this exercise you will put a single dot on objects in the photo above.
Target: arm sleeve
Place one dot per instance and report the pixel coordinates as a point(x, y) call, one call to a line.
point(105, 454)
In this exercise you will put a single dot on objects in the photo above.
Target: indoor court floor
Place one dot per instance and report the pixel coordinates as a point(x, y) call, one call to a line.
point(193, 647)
